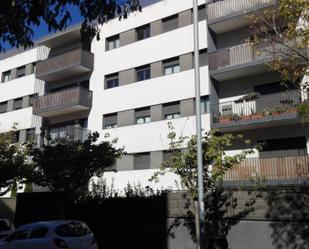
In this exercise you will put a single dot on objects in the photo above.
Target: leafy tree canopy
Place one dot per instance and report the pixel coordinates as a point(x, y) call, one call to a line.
point(285, 28)
point(14, 165)
point(18, 17)
point(68, 166)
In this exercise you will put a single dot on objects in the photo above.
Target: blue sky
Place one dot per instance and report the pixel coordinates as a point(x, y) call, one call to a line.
point(42, 30)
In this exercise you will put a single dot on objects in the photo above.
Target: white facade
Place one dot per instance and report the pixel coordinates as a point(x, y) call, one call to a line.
point(168, 41)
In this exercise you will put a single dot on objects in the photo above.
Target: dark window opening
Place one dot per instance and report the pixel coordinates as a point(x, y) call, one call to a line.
point(143, 32)
point(143, 73)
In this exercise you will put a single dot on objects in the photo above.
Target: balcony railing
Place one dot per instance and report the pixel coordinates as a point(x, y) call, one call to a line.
point(65, 65)
point(270, 168)
point(252, 109)
point(69, 100)
point(221, 10)
point(242, 55)
point(65, 134)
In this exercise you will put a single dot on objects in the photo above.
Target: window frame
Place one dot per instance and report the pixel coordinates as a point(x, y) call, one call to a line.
point(146, 73)
point(143, 32)
point(115, 40)
point(140, 115)
point(168, 115)
point(8, 74)
point(21, 72)
point(171, 64)
point(110, 125)
point(170, 19)
point(111, 78)
point(146, 156)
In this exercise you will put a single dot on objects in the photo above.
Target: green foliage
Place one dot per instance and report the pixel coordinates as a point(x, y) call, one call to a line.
point(14, 189)
point(100, 190)
point(285, 29)
point(14, 166)
point(216, 162)
point(69, 166)
point(303, 112)
point(19, 18)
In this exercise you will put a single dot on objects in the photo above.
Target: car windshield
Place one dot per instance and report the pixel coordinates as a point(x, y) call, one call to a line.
point(4, 226)
point(72, 229)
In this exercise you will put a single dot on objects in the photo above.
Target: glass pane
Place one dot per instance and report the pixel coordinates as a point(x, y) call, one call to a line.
point(140, 120)
point(168, 70)
point(147, 119)
point(117, 43)
point(177, 115)
point(176, 69)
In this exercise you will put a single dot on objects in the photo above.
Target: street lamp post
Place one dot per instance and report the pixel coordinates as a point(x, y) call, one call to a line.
point(201, 206)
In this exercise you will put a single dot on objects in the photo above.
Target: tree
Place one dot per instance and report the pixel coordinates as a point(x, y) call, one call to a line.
point(19, 17)
point(68, 166)
point(282, 33)
point(14, 165)
point(218, 200)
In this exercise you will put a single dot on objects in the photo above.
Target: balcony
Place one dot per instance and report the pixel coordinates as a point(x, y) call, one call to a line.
point(224, 16)
point(253, 111)
point(278, 169)
point(65, 65)
point(67, 101)
point(65, 134)
point(240, 61)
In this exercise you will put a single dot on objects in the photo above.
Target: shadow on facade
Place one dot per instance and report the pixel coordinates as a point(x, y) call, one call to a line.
point(223, 211)
point(289, 209)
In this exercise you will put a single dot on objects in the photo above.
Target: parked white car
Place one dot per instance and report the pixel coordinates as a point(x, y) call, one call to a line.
point(51, 235)
point(6, 227)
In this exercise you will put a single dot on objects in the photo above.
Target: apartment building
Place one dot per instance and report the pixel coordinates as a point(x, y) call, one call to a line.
point(139, 77)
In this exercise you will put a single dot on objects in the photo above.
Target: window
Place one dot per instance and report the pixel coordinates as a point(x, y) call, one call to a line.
point(6, 76)
point(21, 72)
point(3, 107)
point(20, 234)
point(171, 110)
point(142, 161)
point(111, 81)
point(30, 135)
point(171, 66)
point(33, 69)
point(38, 232)
point(72, 229)
point(170, 23)
point(143, 73)
point(201, 12)
point(110, 121)
point(143, 32)
point(142, 115)
point(4, 225)
point(112, 42)
point(18, 103)
point(205, 104)
point(203, 59)
point(31, 98)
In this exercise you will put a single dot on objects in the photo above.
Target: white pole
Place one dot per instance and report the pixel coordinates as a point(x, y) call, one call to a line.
point(198, 128)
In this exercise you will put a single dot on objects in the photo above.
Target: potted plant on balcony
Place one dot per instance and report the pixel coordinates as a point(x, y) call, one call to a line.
point(303, 112)
point(256, 116)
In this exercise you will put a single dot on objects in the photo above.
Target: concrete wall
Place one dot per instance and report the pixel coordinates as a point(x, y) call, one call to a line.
point(7, 208)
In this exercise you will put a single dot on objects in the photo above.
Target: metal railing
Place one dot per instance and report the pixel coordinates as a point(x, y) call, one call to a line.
point(65, 98)
point(270, 168)
point(242, 55)
point(220, 10)
point(65, 134)
point(253, 108)
point(63, 61)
